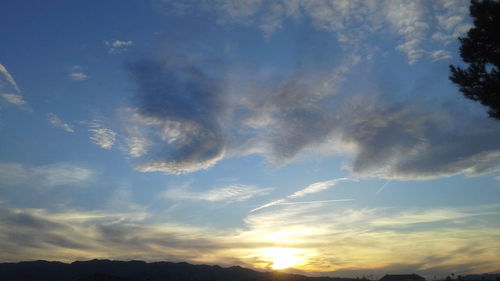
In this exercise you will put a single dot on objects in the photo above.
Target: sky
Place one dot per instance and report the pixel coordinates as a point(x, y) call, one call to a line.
point(319, 137)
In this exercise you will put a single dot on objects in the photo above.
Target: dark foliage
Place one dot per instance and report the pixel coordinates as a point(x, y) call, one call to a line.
point(480, 49)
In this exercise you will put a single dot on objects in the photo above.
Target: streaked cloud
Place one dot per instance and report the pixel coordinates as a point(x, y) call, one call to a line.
point(9, 77)
point(440, 55)
point(325, 239)
point(416, 24)
point(343, 240)
point(58, 123)
point(14, 99)
point(310, 189)
point(232, 193)
point(118, 46)
point(78, 76)
point(11, 92)
point(316, 187)
point(46, 176)
point(103, 137)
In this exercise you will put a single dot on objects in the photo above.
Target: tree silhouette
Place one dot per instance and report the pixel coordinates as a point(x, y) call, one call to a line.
point(480, 49)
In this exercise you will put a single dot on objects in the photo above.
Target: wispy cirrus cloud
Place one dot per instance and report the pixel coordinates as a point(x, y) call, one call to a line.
point(58, 123)
point(418, 25)
point(316, 187)
point(14, 99)
point(117, 46)
point(47, 176)
point(389, 232)
point(78, 76)
point(77, 73)
point(321, 237)
point(310, 189)
point(9, 77)
point(12, 93)
point(103, 137)
point(232, 193)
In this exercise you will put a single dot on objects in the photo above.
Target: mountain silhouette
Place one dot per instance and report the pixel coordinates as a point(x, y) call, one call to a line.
point(107, 270)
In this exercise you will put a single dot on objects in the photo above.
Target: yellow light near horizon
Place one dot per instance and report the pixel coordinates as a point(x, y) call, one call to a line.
point(282, 258)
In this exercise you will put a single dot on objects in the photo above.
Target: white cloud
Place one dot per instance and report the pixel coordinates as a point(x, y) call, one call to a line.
point(137, 146)
point(267, 205)
point(9, 77)
point(60, 174)
point(310, 189)
point(178, 168)
point(14, 99)
point(336, 240)
point(408, 19)
point(440, 55)
point(78, 76)
point(316, 187)
point(58, 123)
point(103, 137)
point(118, 46)
point(227, 193)
point(353, 22)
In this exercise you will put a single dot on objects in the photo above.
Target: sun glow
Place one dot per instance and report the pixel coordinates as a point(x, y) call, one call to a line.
point(282, 258)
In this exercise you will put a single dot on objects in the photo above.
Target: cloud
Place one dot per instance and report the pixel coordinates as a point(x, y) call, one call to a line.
point(117, 46)
point(45, 176)
point(14, 99)
point(316, 187)
point(295, 103)
point(310, 189)
point(408, 18)
point(338, 240)
point(407, 142)
point(344, 240)
point(183, 121)
point(56, 122)
point(9, 78)
point(440, 55)
point(189, 113)
point(232, 193)
point(103, 137)
point(78, 76)
point(176, 111)
point(70, 235)
point(417, 25)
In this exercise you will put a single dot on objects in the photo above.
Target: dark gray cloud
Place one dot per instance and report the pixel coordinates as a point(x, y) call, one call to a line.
point(23, 230)
point(181, 116)
point(418, 140)
point(27, 234)
point(25, 220)
point(180, 104)
point(330, 102)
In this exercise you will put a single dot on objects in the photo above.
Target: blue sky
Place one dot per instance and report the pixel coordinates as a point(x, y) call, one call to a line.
point(311, 136)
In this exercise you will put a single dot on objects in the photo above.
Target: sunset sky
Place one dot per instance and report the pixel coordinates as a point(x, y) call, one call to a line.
point(314, 136)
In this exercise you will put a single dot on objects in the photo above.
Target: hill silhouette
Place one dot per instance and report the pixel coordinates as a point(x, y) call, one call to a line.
point(107, 270)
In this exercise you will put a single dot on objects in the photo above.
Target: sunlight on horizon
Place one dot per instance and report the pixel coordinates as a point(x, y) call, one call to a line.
point(283, 258)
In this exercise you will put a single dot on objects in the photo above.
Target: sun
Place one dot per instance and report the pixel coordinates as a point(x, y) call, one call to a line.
point(282, 258)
